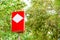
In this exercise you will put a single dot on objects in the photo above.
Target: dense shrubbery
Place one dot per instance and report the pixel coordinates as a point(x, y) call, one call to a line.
point(43, 20)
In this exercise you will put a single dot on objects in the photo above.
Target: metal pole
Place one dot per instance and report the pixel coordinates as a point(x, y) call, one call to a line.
point(19, 36)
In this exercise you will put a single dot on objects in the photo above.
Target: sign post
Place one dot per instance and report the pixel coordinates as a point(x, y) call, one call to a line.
point(18, 22)
point(19, 36)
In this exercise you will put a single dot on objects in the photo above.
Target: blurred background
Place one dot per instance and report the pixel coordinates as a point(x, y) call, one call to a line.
point(42, 19)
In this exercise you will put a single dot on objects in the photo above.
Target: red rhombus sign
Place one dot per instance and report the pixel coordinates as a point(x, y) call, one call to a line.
point(18, 21)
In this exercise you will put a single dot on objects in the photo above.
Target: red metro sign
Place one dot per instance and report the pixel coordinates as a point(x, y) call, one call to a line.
point(18, 21)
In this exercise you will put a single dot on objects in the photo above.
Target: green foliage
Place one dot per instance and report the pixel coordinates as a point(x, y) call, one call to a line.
point(43, 20)
point(6, 8)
